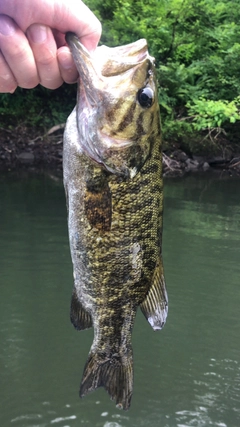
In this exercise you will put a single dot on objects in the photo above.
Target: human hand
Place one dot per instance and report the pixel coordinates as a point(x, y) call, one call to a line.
point(32, 41)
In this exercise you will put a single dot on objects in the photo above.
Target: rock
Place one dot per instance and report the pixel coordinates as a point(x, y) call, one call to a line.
point(199, 159)
point(26, 157)
point(192, 165)
point(179, 155)
point(217, 160)
point(205, 166)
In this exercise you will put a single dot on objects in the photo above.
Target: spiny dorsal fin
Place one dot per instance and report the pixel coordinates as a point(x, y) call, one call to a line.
point(155, 305)
point(80, 318)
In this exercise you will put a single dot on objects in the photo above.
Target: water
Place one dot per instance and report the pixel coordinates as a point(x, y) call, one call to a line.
point(186, 375)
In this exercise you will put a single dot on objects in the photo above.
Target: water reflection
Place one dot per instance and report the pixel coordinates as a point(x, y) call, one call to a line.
point(208, 211)
point(186, 375)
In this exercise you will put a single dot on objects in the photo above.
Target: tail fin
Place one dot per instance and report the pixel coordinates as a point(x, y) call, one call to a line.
point(114, 373)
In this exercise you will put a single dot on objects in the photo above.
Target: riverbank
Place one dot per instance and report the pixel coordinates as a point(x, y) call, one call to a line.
point(25, 147)
point(21, 148)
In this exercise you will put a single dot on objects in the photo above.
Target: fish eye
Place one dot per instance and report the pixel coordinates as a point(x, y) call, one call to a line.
point(145, 97)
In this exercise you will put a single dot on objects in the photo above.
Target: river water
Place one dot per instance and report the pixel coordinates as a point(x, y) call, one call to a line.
point(186, 375)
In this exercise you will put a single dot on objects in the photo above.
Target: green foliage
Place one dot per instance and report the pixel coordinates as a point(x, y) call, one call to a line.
point(208, 114)
point(38, 107)
point(196, 45)
point(197, 48)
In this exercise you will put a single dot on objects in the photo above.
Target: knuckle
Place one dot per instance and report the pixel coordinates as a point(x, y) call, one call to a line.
point(51, 83)
point(7, 88)
point(27, 77)
point(45, 60)
point(29, 84)
point(19, 53)
point(69, 76)
point(7, 81)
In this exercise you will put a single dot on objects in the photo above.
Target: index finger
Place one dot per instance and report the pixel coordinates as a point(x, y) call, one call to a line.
point(68, 15)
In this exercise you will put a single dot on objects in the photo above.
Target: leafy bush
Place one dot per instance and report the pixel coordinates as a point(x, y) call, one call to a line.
point(196, 46)
point(38, 107)
point(208, 114)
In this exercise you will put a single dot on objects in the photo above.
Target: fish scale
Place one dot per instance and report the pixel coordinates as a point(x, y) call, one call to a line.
point(112, 167)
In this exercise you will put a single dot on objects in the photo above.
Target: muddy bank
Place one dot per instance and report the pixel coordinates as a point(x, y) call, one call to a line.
point(177, 162)
point(22, 148)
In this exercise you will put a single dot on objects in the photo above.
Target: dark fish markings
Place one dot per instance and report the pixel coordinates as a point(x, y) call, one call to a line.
point(115, 204)
point(127, 118)
point(98, 208)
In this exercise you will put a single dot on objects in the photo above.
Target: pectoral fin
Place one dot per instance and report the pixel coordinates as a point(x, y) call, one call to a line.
point(80, 318)
point(155, 305)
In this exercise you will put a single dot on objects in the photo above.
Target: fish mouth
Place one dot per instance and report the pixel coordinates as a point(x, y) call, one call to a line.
point(104, 62)
point(103, 76)
point(84, 63)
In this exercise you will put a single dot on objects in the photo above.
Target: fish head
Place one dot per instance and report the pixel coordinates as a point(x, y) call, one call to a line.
point(117, 105)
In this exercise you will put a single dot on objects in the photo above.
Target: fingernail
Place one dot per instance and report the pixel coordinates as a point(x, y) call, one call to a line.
point(37, 33)
point(7, 25)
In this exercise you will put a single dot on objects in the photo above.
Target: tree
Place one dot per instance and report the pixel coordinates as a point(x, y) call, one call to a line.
point(197, 48)
point(196, 45)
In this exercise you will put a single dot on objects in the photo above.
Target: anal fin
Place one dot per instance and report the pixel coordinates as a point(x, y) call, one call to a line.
point(80, 318)
point(155, 305)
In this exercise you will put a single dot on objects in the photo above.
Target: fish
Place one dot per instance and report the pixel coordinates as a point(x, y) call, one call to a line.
point(112, 172)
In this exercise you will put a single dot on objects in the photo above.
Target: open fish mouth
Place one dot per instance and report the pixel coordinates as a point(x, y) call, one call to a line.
point(121, 58)
point(113, 126)
point(84, 63)
point(112, 167)
point(105, 62)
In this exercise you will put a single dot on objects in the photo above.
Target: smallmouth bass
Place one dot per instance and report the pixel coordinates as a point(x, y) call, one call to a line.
point(112, 166)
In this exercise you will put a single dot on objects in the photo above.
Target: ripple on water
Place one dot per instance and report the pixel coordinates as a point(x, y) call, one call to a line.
point(217, 397)
point(27, 417)
point(112, 424)
point(60, 419)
